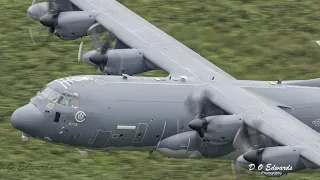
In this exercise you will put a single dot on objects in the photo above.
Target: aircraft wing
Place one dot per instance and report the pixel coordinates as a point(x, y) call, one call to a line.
point(177, 59)
point(278, 125)
point(265, 116)
point(157, 46)
point(318, 42)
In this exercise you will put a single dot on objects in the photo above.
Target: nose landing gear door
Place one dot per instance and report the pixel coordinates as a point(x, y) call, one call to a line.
point(140, 133)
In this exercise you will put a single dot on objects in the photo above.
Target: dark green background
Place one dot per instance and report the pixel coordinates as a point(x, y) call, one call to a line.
point(250, 39)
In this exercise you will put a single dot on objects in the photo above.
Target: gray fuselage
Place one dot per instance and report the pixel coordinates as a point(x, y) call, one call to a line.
point(136, 113)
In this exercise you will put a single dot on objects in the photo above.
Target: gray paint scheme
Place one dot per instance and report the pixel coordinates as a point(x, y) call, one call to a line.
point(142, 113)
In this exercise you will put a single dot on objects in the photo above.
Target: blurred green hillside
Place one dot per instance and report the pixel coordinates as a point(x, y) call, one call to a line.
point(250, 39)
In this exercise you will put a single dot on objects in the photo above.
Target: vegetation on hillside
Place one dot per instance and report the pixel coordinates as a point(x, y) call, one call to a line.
point(250, 39)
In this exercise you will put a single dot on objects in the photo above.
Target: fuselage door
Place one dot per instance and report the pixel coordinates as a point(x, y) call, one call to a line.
point(140, 132)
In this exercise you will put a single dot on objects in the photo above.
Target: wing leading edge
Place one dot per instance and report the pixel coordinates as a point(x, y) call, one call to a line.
point(158, 47)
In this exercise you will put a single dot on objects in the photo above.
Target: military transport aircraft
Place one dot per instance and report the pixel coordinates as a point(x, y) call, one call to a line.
point(198, 110)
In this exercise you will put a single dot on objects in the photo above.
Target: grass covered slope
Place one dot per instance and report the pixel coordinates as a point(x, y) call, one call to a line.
point(250, 39)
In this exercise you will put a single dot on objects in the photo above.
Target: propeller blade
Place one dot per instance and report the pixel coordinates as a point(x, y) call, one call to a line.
point(80, 51)
point(34, 2)
point(50, 6)
point(96, 41)
point(101, 67)
point(192, 106)
point(108, 42)
point(241, 140)
point(248, 138)
point(36, 32)
point(197, 104)
point(31, 35)
point(106, 45)
point(204, 102)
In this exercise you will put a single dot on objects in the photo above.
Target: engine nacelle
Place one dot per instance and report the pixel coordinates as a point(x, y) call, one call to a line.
point(273, 161)
point(125, 61)
point(189, 145)
point(68, 25)
point(222, 128)
point(74, 24)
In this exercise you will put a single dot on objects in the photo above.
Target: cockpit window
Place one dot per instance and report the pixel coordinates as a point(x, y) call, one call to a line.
point(68, 99)
point(53, 96)
point(75, 101)
point(45, 91)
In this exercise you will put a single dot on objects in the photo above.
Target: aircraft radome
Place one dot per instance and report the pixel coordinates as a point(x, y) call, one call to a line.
point(197, 111)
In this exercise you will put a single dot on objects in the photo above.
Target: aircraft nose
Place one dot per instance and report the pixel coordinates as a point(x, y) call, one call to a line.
point(27, 119)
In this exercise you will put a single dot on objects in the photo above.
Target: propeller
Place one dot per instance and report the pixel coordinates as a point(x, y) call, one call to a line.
point(99, 56)
point(44, 13)
point(249, 138)
point(198, 107)
point(51, 18)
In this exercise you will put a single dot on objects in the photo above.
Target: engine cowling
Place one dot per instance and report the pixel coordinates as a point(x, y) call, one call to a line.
point(125, 61)
point(73, 25)
point(273, 161)
point(222, 128)
point(68, 25)
point(121, 61)
point(190, 145)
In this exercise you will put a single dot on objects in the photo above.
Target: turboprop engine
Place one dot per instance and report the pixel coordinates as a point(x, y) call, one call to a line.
point(190, 145)
point(67, 25)
point(115, 61)
point(274, 161)
point(118, 61)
